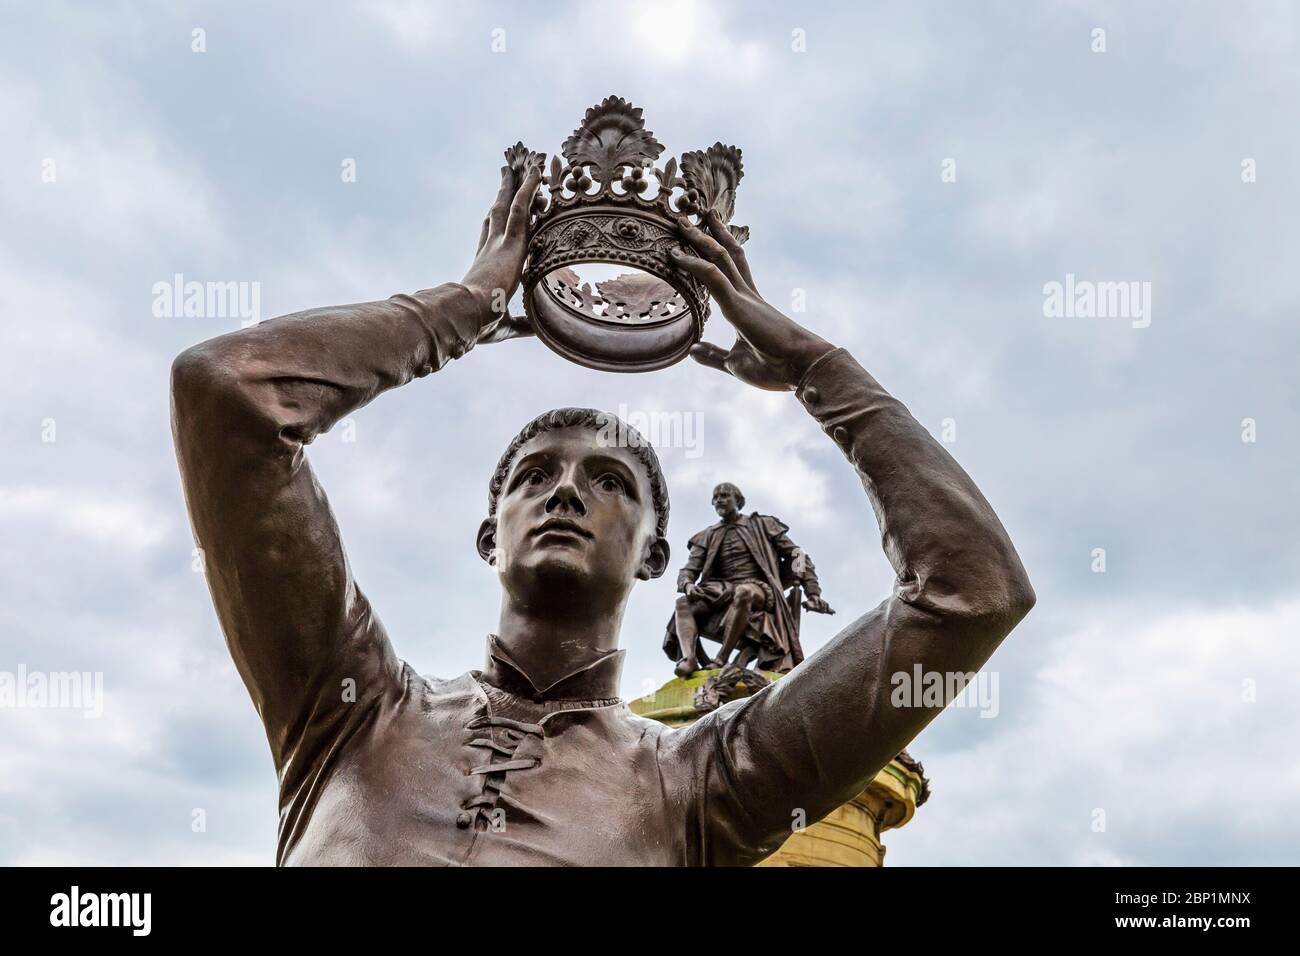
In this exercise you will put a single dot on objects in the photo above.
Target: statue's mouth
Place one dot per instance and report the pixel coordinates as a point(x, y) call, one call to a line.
point(561, 526)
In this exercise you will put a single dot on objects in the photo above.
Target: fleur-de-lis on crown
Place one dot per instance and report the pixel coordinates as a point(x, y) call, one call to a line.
point(711, 178)
point(520, 158)
point(612, 136)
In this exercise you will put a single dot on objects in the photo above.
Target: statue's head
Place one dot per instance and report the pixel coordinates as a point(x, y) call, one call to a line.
point(727, 500)
point(577, 509)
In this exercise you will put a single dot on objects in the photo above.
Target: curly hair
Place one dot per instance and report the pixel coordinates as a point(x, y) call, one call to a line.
point(614, 431)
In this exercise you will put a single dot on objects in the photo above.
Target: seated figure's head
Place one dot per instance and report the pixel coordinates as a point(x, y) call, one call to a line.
point(727, 500)
point(577, 510)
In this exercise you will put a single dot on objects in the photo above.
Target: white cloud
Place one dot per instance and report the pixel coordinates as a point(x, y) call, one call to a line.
point(765, 439)
point(119, 522)
point(1148, 719)
point(412, 23)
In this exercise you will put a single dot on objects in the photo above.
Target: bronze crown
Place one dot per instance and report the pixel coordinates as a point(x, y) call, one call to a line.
point(608, 203)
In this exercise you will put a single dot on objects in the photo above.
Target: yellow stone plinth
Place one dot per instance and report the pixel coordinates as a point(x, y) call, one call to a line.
point(848, 835)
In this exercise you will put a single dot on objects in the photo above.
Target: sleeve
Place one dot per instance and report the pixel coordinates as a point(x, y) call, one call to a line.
point(690, 572)
point(244, 407)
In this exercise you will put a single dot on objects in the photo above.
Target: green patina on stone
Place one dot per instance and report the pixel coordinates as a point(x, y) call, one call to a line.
point(674, 702)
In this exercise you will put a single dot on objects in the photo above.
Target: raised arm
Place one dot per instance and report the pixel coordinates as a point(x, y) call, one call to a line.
point(245, 405)
point(819, 736)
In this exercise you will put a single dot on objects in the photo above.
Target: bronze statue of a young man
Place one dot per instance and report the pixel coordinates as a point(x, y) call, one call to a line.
point(534, 759)
point(733, 591)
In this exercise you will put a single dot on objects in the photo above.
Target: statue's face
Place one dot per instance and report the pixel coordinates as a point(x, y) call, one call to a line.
point(725, 503)
point(576, 515)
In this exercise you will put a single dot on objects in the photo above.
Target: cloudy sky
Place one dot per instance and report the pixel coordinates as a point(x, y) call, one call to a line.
point(1157, 697)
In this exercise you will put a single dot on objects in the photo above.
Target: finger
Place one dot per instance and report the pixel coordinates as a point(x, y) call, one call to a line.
point(501, 207)
point(719, 285)
point(714, 356)
point(521, 206)
point(735, 250)
point(709, 248)
point(482, 236)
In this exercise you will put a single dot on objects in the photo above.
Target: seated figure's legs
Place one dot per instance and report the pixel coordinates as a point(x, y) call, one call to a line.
point(747, 597)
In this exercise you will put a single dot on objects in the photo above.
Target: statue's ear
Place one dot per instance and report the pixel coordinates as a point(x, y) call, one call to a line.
point(655, 562)
point(486, 542)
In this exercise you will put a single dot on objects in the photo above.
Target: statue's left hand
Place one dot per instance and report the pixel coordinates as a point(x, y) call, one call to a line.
point(771, 351)
point(818, 605)
point(498, 264)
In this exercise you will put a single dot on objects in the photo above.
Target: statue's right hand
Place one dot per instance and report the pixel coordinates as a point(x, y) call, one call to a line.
point(771, 350)
point(505, 328)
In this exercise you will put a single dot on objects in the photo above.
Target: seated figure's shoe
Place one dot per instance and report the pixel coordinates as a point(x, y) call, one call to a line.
point(685, 667)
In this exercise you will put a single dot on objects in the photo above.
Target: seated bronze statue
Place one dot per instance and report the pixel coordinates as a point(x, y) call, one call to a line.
point(534, 759)
point(734, 589)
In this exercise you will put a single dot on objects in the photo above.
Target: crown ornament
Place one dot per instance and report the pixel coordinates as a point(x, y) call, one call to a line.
point(606, 202)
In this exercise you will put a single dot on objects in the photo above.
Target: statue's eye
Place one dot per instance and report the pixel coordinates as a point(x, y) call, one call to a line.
point(611, 483)
point(534, 476)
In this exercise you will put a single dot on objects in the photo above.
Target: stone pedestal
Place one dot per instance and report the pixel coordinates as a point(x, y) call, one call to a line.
point(850, 834)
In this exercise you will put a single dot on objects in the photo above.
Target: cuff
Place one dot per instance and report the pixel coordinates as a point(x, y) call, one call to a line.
point(454, 318)
point(832, 392)
point(816, 365)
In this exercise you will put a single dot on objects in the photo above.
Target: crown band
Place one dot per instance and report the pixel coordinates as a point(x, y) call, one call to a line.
point(630, 324)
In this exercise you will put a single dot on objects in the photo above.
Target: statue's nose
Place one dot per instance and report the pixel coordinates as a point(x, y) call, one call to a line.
point(566, 498)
